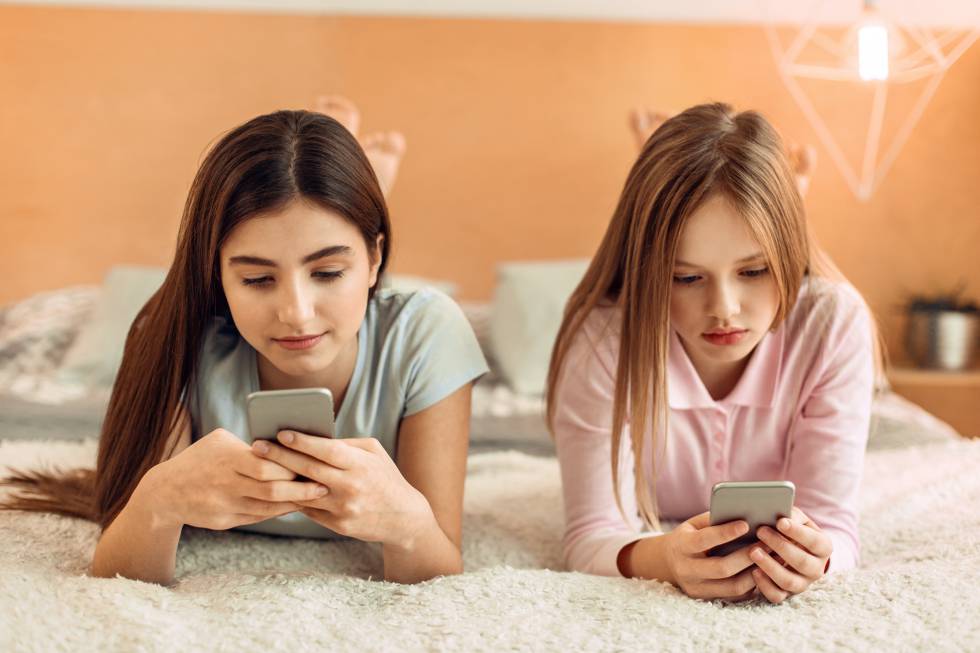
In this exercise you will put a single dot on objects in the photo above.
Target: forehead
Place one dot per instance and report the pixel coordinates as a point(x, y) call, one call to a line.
point(716, 235)
point(299, 226)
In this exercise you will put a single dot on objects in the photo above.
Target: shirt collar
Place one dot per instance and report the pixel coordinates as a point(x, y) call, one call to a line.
point(756, 387)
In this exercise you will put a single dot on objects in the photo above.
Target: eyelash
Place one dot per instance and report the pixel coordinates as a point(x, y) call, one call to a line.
point(326, 277)
point(750, 274)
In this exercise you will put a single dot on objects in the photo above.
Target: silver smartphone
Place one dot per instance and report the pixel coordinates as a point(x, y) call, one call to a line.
point(306, 410)
point(760, 503)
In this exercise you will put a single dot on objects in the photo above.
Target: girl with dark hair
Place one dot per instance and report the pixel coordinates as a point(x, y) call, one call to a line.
point(274, 285)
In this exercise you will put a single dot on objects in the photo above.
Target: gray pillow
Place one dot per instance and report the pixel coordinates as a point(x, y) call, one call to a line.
point(528, 305)
point(96, 353)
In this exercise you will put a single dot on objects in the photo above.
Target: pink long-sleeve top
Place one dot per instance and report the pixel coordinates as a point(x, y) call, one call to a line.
point(800, 412)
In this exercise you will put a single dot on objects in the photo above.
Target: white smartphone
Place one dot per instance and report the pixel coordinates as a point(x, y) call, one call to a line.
point(306, 410)
point(760, 503)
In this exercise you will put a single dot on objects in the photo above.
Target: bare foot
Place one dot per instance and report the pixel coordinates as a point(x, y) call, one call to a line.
point(385, 151)
point(643, 122)
point(340, 109)
point(802, 158)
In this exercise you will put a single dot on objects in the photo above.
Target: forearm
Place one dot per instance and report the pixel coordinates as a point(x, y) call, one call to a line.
point(139, 543)
point(646, 559)
point(429, 554)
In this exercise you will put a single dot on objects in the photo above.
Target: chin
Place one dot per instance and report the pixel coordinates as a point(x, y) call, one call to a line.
point(730, 354)
point(300, 363)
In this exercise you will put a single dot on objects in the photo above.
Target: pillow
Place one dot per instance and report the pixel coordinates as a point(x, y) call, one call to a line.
point(897, 422)
point(528, 305)
point(96, 353)
point(35, 333)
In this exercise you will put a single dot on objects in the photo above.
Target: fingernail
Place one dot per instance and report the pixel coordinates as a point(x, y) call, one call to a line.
point(260, 447)
point(756, 554)
point(783, 524)
point(321, 491)
point(286, 437)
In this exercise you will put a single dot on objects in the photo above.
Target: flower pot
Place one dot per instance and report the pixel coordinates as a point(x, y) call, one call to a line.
point(943, 340)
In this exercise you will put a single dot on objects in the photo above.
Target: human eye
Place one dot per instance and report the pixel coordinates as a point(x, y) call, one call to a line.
point(685, 279)
point(328, 275)
point(755, 272)
point(257, 281)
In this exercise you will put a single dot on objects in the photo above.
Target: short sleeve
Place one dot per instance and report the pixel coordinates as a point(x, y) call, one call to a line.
point(441, 351)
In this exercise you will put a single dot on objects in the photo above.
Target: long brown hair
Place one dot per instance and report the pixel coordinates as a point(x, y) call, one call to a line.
point(707, 149)
point(257, 168)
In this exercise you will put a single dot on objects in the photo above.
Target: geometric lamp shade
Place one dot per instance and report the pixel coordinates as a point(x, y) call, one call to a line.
point(842, 78)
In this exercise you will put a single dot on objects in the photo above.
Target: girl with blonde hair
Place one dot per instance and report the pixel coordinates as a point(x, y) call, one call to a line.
point(709, 341)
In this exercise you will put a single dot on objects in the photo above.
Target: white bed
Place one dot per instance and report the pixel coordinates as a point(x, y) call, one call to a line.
point(916, 589)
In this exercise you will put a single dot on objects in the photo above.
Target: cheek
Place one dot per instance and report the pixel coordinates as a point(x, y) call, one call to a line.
point(684, 313)
point(237, 298)
point(765, 301)
point(344, 301)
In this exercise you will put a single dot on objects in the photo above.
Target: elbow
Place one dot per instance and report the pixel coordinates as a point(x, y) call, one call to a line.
point(414, 578)
point(575, 557)
point(102, 570)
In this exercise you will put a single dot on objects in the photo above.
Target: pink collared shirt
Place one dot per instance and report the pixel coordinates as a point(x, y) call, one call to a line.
point(801, 412)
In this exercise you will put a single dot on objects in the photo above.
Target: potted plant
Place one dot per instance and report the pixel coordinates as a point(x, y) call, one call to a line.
point(943, 330)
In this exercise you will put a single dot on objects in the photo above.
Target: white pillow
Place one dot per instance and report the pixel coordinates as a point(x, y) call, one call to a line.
point(95, 355)
point(527, 310)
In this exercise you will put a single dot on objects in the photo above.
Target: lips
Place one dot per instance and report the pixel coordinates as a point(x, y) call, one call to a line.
point(726, 337)
point(298, 342)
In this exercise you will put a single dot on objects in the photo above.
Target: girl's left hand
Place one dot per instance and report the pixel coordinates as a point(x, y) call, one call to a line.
point(801, 545)
point(367, 498)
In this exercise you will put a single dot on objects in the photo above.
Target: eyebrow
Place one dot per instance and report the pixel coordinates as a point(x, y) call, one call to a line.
point(746, 259)
point(333, 250)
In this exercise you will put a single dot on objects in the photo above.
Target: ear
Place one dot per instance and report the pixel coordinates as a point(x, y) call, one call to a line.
point(376, 260)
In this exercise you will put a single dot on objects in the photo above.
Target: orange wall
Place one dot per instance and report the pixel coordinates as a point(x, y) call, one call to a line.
point(517, 137)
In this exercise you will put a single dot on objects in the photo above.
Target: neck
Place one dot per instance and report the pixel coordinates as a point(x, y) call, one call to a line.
point(335, 378)
point(719, 378)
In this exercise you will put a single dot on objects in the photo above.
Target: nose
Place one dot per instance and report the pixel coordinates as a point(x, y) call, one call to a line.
point(296, 304)
point(723, 302)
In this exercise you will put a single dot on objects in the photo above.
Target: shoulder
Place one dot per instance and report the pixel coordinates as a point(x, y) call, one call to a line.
point(415, 311)
point(419, 325)
point(595, 344)
point(830, 315)
point(424, 343)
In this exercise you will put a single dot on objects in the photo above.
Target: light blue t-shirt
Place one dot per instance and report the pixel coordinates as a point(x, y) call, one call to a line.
point(413, 350)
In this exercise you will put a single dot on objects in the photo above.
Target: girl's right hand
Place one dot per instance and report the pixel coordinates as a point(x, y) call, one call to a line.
point(218, 483)
point(702, 576)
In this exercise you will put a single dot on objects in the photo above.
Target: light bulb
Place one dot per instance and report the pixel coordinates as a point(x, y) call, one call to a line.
point(873, 52)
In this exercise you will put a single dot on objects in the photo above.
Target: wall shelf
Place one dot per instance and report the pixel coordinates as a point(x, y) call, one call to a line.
point(920, 376)
point(951, 396)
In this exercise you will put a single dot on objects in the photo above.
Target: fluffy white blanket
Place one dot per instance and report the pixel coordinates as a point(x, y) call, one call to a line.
point(916, 590)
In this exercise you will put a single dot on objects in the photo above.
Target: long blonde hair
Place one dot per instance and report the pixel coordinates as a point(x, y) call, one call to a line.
point(707, 149)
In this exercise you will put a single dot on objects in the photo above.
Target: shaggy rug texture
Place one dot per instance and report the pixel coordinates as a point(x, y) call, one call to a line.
point(917, 588)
